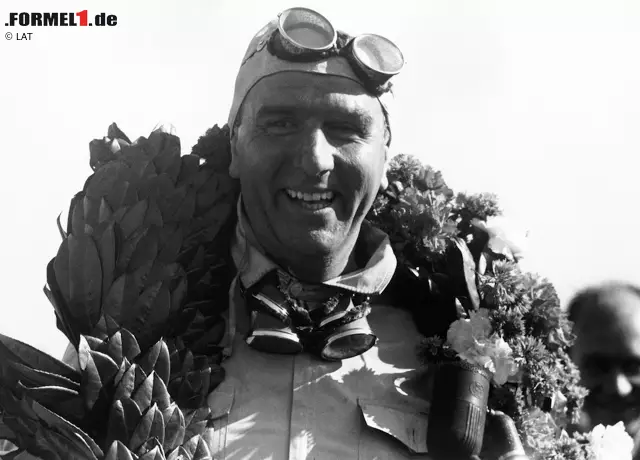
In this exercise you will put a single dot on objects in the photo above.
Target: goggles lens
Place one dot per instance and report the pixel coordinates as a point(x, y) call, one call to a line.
point(305, 35)
point(348, 345)
point(378, 54)
point(341, 335)
point(349, 340)
point(307, 29)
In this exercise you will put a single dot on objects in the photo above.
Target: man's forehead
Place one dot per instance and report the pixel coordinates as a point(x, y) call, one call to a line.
point(312, 92)
point(612, 322)
point(619, 303)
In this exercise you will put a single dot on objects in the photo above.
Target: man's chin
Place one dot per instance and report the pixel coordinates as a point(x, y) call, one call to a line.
point(318, 241)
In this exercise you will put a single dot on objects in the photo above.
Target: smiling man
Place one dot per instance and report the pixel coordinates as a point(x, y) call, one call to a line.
point(310, 151)
point(319, 367)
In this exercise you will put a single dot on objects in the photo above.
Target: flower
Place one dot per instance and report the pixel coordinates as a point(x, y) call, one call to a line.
point(476, 355)
point(523, 338)
point(460, 335)
point(501, 354)
point(480, 323)
point(558, 402)
point(539, 429)
point(505, 237)
point(609, 442)
point(472, 340)
point(464, 333)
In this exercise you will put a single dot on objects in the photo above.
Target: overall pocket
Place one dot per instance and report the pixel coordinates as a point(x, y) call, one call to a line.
point(392, 432)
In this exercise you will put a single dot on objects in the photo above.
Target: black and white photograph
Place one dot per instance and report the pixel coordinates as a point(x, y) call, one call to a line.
point(320, 230)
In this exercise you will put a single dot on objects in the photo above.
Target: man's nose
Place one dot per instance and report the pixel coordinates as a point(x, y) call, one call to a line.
point(316, 158)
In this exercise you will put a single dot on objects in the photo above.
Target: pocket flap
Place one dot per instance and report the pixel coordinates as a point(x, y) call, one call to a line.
point(406, 424)
point(221, 399)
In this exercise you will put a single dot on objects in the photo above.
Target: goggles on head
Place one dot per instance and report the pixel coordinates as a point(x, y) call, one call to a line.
point(303, 35)
point(343, 334)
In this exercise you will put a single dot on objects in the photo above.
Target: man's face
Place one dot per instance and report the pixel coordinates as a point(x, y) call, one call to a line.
point(607, 351)
point(310, 154)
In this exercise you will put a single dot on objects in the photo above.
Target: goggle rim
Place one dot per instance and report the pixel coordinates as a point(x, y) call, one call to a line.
point(270, 305)
point(286, 335)
point(366, 331)
point(355, 49)
point(293, 344)
point(300, 47)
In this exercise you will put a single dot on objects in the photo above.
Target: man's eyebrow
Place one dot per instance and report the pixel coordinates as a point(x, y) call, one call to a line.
point(349, 114)
point(267, 110)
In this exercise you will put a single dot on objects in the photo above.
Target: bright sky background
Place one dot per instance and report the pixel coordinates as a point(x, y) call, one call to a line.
point(537, 101)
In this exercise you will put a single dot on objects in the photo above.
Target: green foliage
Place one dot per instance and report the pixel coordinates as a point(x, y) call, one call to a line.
point(433, 349)
point(481, 205)
point(422, 216)
point(418, 223)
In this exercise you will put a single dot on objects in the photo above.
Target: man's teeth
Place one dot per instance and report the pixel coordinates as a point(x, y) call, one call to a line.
point(326, 196)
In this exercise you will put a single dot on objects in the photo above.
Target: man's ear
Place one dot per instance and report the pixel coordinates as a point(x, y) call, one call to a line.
point(234, 166)
point(384, 181)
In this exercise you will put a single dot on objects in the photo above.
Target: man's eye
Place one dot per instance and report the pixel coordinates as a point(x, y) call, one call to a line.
point(344, 129)
point(280, 126)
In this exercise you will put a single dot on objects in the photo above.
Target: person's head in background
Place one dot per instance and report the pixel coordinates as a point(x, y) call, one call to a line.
point(607, 352)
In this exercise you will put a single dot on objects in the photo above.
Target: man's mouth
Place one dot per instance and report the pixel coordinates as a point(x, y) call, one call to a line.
point(311, 201)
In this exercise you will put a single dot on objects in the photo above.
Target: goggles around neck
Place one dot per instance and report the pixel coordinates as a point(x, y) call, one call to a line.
point(277, 328)
point(304, 35)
